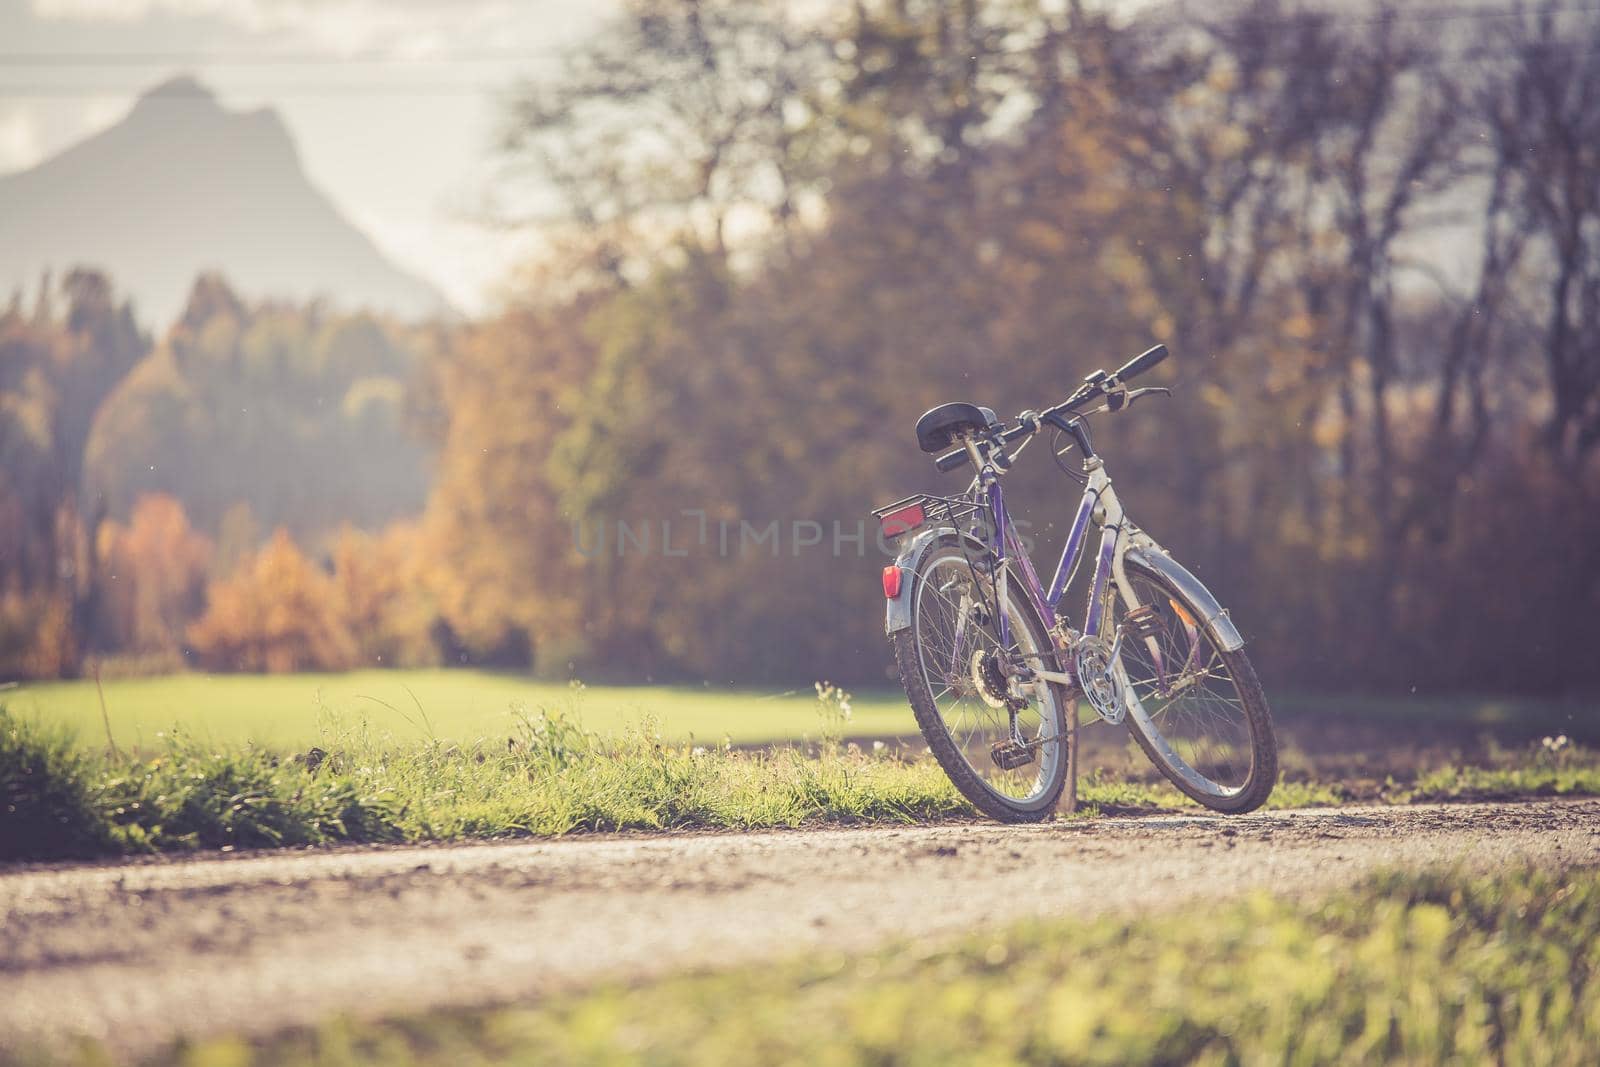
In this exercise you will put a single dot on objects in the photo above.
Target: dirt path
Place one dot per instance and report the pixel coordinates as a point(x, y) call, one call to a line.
point(137, 953)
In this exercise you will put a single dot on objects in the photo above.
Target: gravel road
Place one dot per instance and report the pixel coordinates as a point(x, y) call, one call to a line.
point(137, 954)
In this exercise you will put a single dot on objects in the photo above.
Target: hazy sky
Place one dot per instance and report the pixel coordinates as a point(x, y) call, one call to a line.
point(393, 103)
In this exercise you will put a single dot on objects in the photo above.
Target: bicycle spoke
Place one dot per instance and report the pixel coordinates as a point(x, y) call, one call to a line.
point(951, 634)
point(1192, 702)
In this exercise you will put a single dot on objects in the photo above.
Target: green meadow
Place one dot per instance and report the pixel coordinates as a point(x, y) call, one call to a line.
point(289, 711)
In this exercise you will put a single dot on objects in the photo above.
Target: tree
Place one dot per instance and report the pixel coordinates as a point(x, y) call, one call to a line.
point(54, 375)
point(673, 128)
point(984, 200)
point(494, 538)
point(1543, 113)
point(312, 404)
point(153, 578)
point(278, 613)
point(382, 597)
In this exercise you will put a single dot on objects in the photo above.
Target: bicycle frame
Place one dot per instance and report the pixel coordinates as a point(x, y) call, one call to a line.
point(1098, 495)
point(1120, 540)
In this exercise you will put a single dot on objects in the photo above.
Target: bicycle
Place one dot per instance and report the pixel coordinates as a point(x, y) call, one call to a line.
point(990, 674)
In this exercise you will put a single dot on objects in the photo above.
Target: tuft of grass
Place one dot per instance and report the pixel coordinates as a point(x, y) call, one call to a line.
point(47, 806)
point(196, 796)
point(1556, 767)
point(1423, 969)
point(1302, 794)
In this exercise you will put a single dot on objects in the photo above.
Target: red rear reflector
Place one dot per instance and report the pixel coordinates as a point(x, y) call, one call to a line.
point(907, 518)
point(891, 581)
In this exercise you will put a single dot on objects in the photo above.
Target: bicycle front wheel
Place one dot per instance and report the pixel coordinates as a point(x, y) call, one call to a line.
point(1197, 711)
point(1004, 747)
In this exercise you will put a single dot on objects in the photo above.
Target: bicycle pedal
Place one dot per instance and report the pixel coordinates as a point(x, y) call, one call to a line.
point(1009, 755)
point(1144, 621)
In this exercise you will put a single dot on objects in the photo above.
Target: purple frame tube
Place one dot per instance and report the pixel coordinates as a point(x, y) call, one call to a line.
point(1005, 539)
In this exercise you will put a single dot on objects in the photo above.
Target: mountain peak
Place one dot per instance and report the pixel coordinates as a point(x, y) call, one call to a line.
point(183, 185)
point(184, 86)
point(183, 98)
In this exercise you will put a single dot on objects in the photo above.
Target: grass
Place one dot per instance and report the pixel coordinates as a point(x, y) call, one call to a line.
point(286, 711)
point(541, 774)
point(1556, 775)
point(544, 775)
point(1553, 767)
point(1420, 969)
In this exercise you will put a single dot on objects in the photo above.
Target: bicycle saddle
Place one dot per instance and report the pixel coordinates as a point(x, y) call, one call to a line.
point(938, 427)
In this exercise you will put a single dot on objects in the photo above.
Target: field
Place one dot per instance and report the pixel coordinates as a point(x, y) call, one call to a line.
point(290, 711)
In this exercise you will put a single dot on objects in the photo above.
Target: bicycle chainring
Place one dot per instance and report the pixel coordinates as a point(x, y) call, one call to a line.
point(1091, 666)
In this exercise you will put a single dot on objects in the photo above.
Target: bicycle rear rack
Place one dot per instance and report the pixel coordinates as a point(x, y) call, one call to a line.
point(912, 512)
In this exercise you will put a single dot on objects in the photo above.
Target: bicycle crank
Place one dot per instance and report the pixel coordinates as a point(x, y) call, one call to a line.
point(1094, 668)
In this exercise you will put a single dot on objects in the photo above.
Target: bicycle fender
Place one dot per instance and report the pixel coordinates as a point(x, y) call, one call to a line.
point(897, 610)
point(1218, 626)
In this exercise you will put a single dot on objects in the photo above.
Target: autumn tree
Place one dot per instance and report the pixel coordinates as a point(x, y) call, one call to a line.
point(279, 612)
point(153, 576)
point(383, 597)
point(1541, 105)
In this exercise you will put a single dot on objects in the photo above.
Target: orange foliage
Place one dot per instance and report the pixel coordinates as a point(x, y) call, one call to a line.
point(278, 612)
point(153, 576)
point(36, 637)
point(379, 584)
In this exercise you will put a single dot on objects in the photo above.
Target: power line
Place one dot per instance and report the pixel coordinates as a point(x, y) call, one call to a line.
point(1432, 13)
point(69, 90)
point(286, 90)
point(290, 90)
point(259, 59)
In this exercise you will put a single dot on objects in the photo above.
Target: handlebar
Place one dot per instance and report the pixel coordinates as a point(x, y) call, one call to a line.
point(1142, 362)
point(1099, 385)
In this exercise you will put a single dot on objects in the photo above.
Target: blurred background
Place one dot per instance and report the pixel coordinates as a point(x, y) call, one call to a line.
point(346, 336)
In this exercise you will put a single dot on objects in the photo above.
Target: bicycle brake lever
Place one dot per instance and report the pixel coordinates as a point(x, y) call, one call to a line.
point(1145, 391)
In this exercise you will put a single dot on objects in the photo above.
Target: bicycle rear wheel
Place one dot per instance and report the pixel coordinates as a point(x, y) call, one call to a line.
point(1007, 756)
point(1197, 711)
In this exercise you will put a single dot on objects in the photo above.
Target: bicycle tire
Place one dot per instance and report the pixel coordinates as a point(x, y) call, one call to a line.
point(945, 747)
point(1255, 715)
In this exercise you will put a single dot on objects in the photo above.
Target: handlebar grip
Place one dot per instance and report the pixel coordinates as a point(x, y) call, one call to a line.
point(1015, 432)
point(951, 460)
point(1142, 362)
